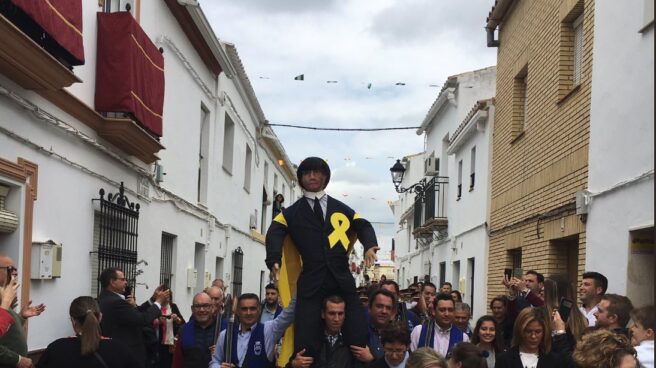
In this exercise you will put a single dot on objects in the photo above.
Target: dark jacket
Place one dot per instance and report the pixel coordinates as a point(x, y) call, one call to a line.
point(336, 356)
point(65, 352)
point(125, 323)
point(313, 241)
point(511, 359)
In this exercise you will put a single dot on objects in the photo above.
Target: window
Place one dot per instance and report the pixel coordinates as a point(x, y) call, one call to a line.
point(472, 169)
point(442, 272)
point(459, 179)
point(570, 53)
point(237, 268)
point(247, 168)
point(228, 143)
point(578, 48)
point(515, 258)
point(166, 260)
point(266, 174)
point(203, 153)
point(275, 184)
point(199, 265)
point(520, 103)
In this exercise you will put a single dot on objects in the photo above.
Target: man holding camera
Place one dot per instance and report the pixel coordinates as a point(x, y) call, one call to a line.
point(122, 320)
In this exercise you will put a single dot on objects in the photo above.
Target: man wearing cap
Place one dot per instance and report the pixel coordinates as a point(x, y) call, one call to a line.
point(320, 231)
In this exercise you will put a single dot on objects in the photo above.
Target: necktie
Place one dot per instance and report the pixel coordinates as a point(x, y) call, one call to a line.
point(317, 210)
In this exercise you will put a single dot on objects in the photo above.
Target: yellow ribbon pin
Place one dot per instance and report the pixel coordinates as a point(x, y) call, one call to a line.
point(340, 224)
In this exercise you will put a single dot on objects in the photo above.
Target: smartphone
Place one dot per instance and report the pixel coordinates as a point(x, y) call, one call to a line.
point(518, 273)
point(507, 273)
point(565, 308)
point(128, 291)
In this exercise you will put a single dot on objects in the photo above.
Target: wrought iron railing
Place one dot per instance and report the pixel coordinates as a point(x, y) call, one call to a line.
point(118, 230)
point(166, 260)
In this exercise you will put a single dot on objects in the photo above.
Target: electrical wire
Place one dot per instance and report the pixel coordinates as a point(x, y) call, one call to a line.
point(341, 129)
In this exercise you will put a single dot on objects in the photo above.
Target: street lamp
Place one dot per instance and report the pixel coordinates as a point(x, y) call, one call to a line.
point(397, 171)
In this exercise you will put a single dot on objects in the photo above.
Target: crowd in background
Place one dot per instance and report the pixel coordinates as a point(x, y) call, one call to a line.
point(537, 323)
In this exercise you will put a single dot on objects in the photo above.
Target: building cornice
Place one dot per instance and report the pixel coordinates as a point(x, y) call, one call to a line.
point(475, 121)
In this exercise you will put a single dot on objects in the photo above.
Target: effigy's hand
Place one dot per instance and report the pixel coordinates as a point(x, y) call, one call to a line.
point(275, 273)
point(370, 256)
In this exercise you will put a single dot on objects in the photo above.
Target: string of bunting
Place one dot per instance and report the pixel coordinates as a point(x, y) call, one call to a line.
point(369, 85)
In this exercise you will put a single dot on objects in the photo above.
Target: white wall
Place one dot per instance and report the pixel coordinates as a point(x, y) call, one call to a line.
point(72, 172)
point(621, 137)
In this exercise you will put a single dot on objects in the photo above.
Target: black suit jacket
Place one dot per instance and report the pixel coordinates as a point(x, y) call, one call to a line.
point(511, 359)
point(312, 238)
point(122, 321)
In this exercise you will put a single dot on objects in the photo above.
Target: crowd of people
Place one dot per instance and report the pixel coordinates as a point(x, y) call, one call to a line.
point(536, 324)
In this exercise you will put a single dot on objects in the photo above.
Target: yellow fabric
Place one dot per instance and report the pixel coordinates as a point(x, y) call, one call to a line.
point(289, 272)
point(280, 219)
point(356, 216)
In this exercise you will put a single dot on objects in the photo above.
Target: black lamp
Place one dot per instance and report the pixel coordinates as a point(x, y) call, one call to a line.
point(397, 171)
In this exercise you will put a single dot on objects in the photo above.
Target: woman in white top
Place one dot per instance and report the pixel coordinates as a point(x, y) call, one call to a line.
point(485, 337)
point(531, 343)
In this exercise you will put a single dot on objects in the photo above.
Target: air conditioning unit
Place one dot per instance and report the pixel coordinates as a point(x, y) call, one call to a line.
point(431, 166)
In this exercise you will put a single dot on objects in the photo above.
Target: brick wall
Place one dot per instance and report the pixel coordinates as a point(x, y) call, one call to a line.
point(538, 168)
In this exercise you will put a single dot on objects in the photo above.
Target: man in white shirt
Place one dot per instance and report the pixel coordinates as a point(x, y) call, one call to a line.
point(440, 334)
point(593, 288)
point(252, 341)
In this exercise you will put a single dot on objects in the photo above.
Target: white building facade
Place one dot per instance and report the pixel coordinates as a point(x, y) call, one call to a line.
point(619, 203)
point(450, 221)
point(203, 189)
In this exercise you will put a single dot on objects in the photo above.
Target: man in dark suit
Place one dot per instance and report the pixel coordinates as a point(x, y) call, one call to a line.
point(121, 319)
point(323, 232)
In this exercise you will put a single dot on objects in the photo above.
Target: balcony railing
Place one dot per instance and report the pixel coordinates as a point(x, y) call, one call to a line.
point(430, 218)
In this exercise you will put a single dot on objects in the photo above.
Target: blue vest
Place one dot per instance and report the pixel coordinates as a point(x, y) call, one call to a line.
point(455, 336)
point(256, 356)
point(196, 353)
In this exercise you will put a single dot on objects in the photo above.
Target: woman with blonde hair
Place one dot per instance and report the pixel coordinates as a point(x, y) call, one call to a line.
point(603, 348)
point(425, 358)
point(531, 342)
point(88, 348)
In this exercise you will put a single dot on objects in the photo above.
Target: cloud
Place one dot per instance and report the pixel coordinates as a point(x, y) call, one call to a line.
point(417, 42)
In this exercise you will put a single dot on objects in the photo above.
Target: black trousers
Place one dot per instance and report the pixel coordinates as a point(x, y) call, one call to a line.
point(308, 325)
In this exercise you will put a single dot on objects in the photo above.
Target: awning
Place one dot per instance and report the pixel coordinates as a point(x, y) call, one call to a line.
point(129, 71)
point(61, 20)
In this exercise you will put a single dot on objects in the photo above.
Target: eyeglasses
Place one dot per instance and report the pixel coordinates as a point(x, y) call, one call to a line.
point(202, 306)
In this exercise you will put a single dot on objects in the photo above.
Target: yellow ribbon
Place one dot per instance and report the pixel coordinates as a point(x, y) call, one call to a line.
point(340, 224)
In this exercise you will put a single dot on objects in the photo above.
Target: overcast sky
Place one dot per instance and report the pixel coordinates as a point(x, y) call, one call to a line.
point(357, 42)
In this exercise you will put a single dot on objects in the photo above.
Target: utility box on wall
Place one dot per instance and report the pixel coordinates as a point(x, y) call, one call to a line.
point(192, 277)
point(46, 260)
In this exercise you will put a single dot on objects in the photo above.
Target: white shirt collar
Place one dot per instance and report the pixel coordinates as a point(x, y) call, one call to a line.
point(313, 195)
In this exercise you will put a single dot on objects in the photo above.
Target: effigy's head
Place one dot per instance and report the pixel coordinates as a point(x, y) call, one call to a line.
point(313, 174)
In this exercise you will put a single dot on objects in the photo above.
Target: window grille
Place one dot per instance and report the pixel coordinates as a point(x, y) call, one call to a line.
point(116, 227)
point(237, 268)
point(166, 260)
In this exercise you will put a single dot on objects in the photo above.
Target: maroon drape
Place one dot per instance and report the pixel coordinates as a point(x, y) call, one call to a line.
point(61, 19)
point(129, 71)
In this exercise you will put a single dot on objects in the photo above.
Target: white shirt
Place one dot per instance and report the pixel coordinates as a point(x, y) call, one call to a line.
point(646, 353)
point(529, 360)
point(590, 316)
point(323, 200)
point(440, 342)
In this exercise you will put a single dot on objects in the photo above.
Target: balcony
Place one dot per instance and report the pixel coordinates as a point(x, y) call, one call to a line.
point(430, 218)
point(48, 75)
